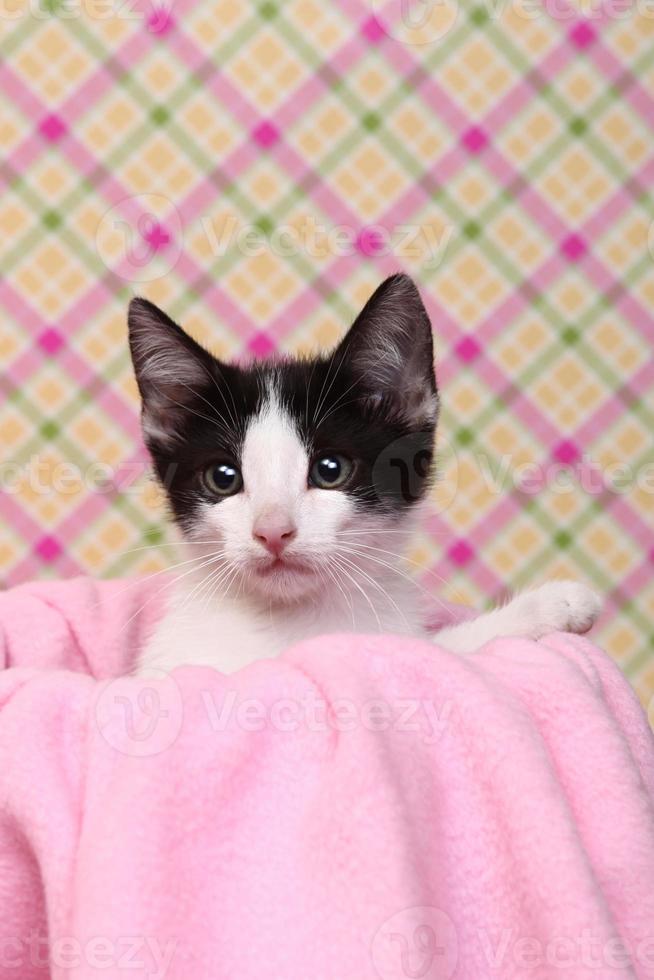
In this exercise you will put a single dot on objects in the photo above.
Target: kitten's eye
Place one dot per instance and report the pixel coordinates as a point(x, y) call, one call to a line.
point(329, 472)
point(223, 479)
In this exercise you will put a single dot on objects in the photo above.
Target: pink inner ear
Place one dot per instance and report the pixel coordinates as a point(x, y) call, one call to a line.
point(162, 360)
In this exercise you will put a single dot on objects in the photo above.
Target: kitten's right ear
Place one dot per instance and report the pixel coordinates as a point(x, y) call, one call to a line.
point(390, 348)
point(170, 369)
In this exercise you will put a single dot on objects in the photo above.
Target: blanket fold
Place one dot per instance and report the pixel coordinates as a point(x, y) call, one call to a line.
point(362, 807)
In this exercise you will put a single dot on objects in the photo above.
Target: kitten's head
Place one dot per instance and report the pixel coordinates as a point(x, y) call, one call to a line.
point(293, 472)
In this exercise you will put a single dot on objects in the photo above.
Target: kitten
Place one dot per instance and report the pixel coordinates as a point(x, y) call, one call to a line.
point(296, 484)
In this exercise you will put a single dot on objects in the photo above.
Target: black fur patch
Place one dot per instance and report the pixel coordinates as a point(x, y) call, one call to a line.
point(374, 399)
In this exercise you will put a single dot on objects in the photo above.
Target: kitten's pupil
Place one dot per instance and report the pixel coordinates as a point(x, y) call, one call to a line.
point(329, 469)
point(224, 477)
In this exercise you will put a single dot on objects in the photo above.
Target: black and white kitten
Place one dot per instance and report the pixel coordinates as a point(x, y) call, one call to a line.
point(296, 484)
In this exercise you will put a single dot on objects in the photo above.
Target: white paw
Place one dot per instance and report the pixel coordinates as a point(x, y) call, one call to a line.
point(562, 605)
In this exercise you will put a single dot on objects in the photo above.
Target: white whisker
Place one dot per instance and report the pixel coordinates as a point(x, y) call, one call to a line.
point(363, 592)
point(377, 585)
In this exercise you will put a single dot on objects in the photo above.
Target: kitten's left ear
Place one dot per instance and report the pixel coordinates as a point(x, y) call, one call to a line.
point(390, 347)
point(170, 368)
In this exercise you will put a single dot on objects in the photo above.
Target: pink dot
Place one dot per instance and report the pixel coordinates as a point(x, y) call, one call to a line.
point(467, 349)
point(262, 344)
point(50, 341)
point(52, 128)
point(265, 134)
point(474, 139)
point(582, 34)
point(160, 21)
point(460, 552)
point(48, 548)
point(566, 452)
point(370, 241)
point(573, 247)
point(156, 236)
point(373, 30)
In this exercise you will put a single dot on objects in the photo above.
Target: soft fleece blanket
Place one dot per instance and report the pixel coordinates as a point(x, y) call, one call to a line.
point(359, 808)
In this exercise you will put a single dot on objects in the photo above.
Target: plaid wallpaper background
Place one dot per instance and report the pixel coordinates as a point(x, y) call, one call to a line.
point(256, 169)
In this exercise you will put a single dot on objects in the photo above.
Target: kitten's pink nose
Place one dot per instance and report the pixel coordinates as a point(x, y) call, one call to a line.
point(274, 530)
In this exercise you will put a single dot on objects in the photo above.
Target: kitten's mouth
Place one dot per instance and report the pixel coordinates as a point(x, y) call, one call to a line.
point(277, 566)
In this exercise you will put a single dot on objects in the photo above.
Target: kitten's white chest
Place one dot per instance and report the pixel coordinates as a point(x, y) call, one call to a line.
point(225, 638)
point(231, 634)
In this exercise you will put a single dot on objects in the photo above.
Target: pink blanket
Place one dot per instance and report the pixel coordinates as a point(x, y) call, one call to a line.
point(359, 808)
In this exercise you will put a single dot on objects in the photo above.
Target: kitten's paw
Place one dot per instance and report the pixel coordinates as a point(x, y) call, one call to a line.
point(568, 606)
